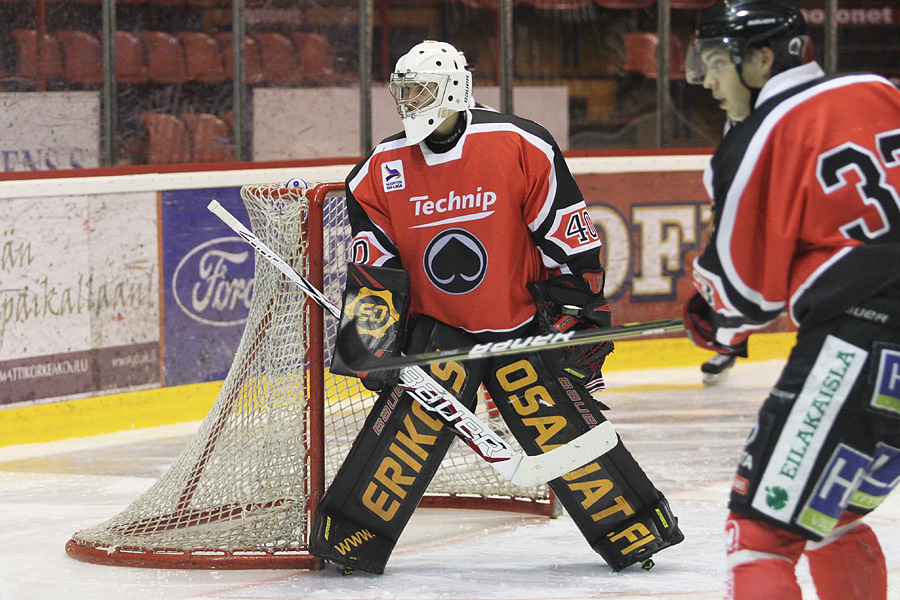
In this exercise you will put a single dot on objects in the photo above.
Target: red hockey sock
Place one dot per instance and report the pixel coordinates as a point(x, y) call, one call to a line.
point(848, 564)
point(761, 560)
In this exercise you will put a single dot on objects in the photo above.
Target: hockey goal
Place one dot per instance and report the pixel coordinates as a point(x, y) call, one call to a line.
point(243, 492)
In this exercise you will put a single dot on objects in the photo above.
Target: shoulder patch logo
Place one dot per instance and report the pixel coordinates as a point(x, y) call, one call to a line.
point(392, 176)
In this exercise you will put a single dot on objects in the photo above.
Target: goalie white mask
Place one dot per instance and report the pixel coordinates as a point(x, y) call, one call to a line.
point(430, 83)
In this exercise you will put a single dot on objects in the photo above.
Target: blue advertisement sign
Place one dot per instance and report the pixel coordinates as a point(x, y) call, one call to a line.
point(208, 276)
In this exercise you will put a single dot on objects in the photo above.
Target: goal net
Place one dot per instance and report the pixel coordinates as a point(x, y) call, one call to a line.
point(242, 493)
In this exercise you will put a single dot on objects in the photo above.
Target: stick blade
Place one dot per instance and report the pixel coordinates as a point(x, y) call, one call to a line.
point(540, 468)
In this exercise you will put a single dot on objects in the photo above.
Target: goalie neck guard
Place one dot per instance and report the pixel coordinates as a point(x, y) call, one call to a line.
point(429, 84)
point(743, 24)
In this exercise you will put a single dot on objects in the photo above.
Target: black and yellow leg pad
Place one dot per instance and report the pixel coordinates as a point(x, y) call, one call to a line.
point(612, 501)
point(391, 463)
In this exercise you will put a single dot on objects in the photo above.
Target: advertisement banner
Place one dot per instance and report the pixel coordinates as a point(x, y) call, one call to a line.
point(207, 284)
point(46, 131)
point(653, 225)
point(79, 298)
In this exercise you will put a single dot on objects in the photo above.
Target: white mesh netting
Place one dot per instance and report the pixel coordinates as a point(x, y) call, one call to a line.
point(239, 494)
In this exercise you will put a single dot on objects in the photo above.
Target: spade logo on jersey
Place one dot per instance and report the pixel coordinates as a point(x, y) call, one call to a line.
point(455, 261)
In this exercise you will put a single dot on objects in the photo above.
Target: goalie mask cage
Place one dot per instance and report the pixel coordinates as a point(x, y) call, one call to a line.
point(242, 493)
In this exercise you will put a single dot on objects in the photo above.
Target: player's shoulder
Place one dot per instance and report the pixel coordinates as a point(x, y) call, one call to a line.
point(390, 148)
point(485, 120)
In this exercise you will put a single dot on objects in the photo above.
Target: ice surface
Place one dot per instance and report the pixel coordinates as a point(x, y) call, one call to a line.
point(686, 437)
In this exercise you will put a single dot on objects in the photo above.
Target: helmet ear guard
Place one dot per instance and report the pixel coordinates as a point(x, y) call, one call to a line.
point(429, 84)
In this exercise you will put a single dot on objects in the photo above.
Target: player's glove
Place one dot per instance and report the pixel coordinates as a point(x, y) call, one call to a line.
point(374, 318)
point(699, 325)
point(564, 303)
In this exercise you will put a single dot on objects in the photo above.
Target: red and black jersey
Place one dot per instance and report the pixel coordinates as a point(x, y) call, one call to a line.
point(473, 224)
point(806, 200)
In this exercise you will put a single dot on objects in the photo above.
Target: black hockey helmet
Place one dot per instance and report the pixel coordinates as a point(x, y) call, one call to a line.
point(743, 24)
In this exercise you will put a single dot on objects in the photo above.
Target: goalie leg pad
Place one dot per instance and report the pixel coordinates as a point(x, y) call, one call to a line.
point(615, 506)
point(344, 542)
point(849, 563)
point(636, 539)
point(391, 462)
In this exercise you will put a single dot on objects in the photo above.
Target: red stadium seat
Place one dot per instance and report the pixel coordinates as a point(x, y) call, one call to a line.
point(165, 57)
point(640, 55)
point(625, 4)
point(692, 4)
point(640, 58)
point(228, 117)
point(210, 138)
point(203, 57)
point(280, 63)
point(167, 139)
point(27, 66)
point(131, 61)
point(316, 57)
point(253, 71)
point(491, 4)
point(117, 1)
point(82, 57)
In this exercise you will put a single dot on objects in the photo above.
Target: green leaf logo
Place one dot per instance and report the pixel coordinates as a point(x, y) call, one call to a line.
point(776, 497)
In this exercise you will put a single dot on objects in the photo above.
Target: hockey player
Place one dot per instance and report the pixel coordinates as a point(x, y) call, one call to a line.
point(468, 227)
point(806, 194)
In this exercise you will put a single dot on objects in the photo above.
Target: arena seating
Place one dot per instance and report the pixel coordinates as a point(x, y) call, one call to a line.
point(82, 57)
point(210, 138)
point(203, 57)
point(27, 66)
point(165, 57)
point(253, 71)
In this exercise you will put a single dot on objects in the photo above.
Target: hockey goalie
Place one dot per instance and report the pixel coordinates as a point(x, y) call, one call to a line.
point(468, 227)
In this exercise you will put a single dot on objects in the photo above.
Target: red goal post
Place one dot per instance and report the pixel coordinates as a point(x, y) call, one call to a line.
point(242, 493)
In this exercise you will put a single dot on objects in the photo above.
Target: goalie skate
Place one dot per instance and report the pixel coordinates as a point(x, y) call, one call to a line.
point(715, 370)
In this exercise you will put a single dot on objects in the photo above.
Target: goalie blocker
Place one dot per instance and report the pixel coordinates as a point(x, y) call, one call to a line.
point(621, 514)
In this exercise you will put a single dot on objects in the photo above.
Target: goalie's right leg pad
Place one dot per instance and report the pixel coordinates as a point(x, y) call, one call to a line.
point(619, 511)
point(391, 462)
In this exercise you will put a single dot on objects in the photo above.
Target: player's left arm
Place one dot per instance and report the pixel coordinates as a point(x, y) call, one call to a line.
point(742, 276)
point(573, 297)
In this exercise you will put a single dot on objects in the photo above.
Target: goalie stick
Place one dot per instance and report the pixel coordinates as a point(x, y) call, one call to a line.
point(521, 469)
point(362, 362)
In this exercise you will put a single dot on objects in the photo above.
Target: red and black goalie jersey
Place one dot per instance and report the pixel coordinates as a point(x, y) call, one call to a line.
point(806, 197)
point(474, 224)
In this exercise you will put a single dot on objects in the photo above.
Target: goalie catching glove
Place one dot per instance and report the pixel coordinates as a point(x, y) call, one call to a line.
point(376, 303)
point(567, 302)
